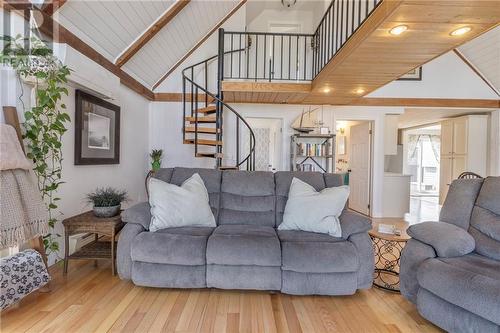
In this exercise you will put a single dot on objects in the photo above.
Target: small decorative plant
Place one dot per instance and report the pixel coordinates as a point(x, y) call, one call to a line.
point(156, 156)
point(106, 201)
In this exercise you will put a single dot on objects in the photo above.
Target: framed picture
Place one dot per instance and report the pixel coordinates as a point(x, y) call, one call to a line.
point(413, 75)
point(97, 131)
point(341, 145)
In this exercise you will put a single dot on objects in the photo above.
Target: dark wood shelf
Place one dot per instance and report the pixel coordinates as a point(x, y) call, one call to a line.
point(94, 250)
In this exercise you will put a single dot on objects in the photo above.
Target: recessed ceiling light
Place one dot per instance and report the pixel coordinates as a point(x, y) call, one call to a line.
point(326, 90)
point(360, 91)
point(460, 31)
point(398, 30)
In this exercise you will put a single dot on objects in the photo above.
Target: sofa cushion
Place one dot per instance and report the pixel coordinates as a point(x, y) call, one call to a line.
point(247, 198)
point(283, 181)
point(457, 207)
point(485, 220)
point(164, 174)
point(308, 252)
point(244, 245)
point(211, 178)
point(176, 246)
point(471, 282)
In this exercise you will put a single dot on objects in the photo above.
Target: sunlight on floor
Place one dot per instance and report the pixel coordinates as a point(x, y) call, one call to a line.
point(423, 208)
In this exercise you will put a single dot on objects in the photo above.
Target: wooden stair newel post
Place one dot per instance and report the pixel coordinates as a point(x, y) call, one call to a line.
point(12, 119)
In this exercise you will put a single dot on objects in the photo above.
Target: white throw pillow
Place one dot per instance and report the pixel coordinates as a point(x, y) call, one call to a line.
point(313, 211)
point(179, 206)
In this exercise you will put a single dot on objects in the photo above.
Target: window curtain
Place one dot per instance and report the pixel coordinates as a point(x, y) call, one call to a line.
point(436, 146)
point(412, 145)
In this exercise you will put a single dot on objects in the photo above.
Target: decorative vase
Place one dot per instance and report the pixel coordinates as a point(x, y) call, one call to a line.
point(155, 165)
point(107, 211)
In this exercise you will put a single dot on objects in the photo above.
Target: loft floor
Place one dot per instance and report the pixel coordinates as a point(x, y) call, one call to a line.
point(89, 299)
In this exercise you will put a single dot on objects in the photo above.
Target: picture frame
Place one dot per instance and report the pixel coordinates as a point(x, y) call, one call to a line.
point(413, 75)
point(97, 130)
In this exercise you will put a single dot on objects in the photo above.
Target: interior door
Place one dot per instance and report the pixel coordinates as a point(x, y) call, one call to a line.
point(460, 136)
point(267, 143)
point(360, 164)
point(446, 138)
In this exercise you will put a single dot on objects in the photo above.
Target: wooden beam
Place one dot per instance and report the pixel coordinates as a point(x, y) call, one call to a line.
point(177, 97)
point(60, 34)
point(151, 31)
point(268, 87)
point(429, 102)
point(52, 6)
point(200, 42)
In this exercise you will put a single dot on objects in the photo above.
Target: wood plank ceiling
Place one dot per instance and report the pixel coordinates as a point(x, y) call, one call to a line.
point(372, 57)
point(112, 27)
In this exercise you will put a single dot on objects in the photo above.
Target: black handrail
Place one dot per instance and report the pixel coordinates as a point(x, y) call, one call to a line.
point(195, 89)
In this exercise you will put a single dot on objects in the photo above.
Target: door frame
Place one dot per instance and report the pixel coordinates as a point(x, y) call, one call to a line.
point(371, 126)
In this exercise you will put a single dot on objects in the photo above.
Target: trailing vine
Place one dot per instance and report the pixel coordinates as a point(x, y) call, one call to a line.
point(45, 122)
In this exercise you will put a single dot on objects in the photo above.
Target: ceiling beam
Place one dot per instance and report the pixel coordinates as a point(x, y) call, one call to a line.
point(51, 6)
point(201, 41)
point(60, 34)
point(151, 31)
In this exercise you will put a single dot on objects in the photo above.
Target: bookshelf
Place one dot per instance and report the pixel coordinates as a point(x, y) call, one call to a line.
point(312, 152)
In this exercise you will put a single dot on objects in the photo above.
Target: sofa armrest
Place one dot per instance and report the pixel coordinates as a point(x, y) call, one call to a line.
point(125, 241)
point(446, 239)
point(353, 223)
point(138, 214)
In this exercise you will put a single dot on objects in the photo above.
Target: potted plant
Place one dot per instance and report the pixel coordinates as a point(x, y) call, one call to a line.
point(156, 155)
point(106, 201)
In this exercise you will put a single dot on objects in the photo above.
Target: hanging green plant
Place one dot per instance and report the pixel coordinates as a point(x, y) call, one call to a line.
point(45, 122)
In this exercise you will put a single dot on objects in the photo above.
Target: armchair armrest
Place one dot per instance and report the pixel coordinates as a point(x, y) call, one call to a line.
point(138, 214)
point(352, 223)
point(446, 239)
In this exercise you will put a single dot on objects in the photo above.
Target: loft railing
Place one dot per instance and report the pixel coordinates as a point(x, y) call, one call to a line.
point(339, 23)
point(269, 56)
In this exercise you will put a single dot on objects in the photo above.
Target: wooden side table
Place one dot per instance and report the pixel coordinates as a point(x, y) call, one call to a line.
point(387, 249)
point(88, 222)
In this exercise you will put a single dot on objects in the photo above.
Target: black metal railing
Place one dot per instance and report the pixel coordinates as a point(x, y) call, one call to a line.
point(339, 23)
point(196, 90)
point(267, 56)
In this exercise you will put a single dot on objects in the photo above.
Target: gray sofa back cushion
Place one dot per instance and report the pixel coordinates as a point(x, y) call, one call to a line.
point(485, 220)
point(283, 181)
point(211, 178)
point(457, 207)
point(247, 198)
point(164, 174)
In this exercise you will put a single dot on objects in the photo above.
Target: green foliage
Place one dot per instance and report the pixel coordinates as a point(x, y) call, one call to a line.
point(156, 154)
point(106, 197)
point(46, 121)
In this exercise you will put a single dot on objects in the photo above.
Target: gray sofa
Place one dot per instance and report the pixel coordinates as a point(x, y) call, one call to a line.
point(245, 250)
point(451, 269)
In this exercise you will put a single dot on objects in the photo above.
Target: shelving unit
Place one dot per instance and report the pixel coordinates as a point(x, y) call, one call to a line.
point(312, 152)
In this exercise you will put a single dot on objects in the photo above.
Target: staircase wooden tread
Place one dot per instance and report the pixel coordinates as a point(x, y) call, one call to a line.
point(211, 155)
point(207, 130)
point(208, 109)
point(204, 142)
point(201, 119)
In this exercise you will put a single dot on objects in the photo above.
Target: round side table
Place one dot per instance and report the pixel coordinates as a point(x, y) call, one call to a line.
point(387, 249)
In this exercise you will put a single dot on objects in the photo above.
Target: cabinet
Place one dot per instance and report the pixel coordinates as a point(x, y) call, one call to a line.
point(463, 148)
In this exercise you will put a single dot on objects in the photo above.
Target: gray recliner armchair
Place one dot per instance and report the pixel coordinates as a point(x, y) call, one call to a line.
point(451, 269)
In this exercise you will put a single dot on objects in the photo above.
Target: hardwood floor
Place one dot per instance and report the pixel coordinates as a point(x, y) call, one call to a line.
point(89, 299)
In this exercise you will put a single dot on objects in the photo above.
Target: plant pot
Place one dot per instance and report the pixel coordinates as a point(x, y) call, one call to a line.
point(107, 211)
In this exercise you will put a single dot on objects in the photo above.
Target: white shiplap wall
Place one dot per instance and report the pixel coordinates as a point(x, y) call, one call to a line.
point(177, 38)
point(484, 53)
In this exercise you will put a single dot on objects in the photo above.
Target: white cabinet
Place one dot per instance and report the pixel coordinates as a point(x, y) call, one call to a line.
point(464, 142)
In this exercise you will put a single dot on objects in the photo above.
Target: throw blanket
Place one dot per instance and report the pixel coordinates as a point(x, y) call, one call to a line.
point(23, 213)
point(11, 153)
point(20, 275)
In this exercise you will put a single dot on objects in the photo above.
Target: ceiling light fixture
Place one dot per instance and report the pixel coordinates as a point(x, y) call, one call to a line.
point(398, 30)
point(288, 3)
point(360, 91)
point(326, 90)
point(460, 31)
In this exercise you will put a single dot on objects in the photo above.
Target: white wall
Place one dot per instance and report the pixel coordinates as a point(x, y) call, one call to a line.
point(444, 77)
point(494, 143)
point(79, 180)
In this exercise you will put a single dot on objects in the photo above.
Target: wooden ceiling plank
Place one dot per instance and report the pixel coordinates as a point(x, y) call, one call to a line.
point(199, 43)
point(162, 21)
point(60, 34)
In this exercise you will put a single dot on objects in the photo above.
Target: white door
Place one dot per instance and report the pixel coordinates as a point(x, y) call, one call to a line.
point(447, 138)
point(460, 136)
point(268, 138)
point(359, 179)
